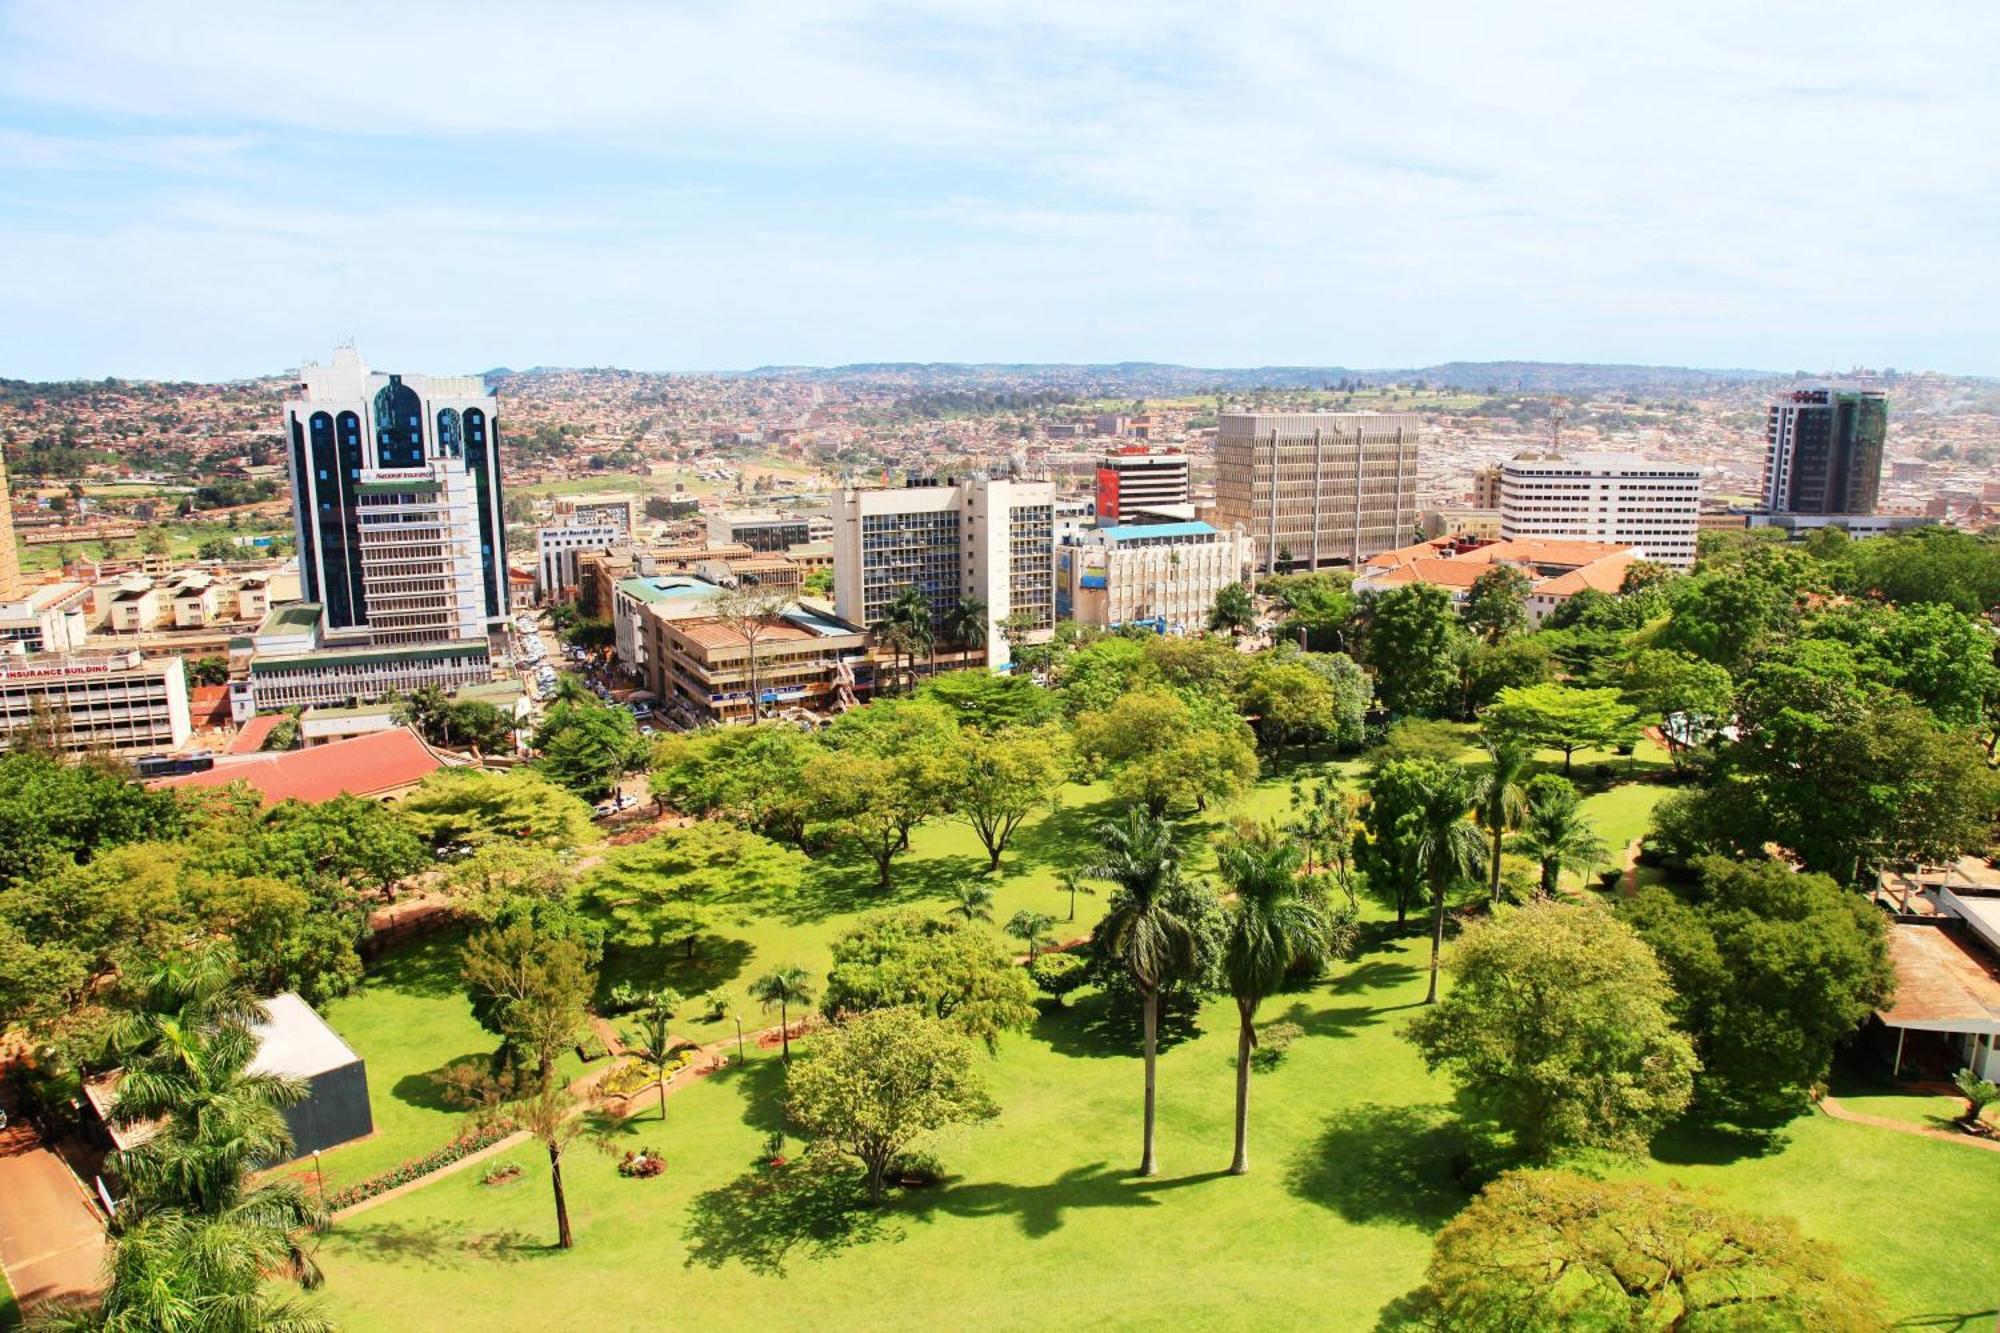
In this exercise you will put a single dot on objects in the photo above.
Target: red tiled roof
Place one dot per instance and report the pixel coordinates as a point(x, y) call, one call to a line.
point(208, 705)
point(251, 739)
point(363, 766)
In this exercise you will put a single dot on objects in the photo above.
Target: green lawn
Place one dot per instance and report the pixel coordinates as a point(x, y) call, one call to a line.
point(10, 1311)
point(1040, 1222)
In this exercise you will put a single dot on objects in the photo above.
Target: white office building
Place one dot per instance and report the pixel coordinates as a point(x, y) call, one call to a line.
point(116, 701)
point(1138, 479)
point(396, 500)
point(1163, 575)
point(557, 548)
point(976, 536)
point(1622, 499)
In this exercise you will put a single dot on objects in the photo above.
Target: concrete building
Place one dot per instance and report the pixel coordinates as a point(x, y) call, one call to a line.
point(1460, 520)
point(1139, 478)
point(700, 667)
point(288, 663)
point(1165, 575)
point(976, 536)
point(761, 531)
point(673, 596)
point(1316, 489)
point(1823, 451)
point(1797, 527)
point(54, 618)
point(116, 701)
point(557, 549)
point(614, 509)
point(1486, 488)
point(1618, 498)
point(396, 501)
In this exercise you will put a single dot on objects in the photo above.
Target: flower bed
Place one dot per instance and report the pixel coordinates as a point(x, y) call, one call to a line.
point(418, 1167)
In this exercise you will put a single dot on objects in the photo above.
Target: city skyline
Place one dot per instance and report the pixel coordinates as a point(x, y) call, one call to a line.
point(671, 189)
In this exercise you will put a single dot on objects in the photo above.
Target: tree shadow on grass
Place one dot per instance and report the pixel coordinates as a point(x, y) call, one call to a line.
point(1971, 1321)
point(1099, 1026)
point(1375, 974)
point(1064, 839)
point(428, 967)
point(844, 881)
point(766, 1217)
point(1376, 1163)
point(441, 1244)
point(430, 1090)
point(1040, 1209)
point(761, 1085)
point(718, 960)
point(1337, 1021)
point(1696, 1142)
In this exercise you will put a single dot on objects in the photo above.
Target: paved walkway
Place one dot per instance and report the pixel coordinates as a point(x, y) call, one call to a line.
point(51, 1239)
point(1832, 1106)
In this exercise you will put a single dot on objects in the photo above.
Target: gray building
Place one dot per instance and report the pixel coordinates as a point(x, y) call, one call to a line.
point(1317, 489)
point(1823, 451)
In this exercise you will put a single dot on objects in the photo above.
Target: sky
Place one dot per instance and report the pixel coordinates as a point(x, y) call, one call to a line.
point(221, 189)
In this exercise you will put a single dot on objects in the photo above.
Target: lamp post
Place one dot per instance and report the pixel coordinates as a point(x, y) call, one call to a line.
point(739, 1039)
point(320, 1172)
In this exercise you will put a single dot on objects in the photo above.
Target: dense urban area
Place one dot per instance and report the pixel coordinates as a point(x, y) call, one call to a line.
point(1483, 846)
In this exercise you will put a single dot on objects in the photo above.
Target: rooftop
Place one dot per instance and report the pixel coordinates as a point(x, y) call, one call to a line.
point(667, 588)
point(1125, 532)
point(1945, 981)
point(292, 618)
point(295, 1042)
point(364, 766)
point(367, 656)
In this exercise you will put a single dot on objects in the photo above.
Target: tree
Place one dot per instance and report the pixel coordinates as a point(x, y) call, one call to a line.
point(530, 986)
point(1555, 834)
point(208, 671)
point(1163, 752)
point(652, 1041)
point(1444, 849)
point(476, 806)
point(1978, 1093)
point(1292, 703)
point(494, 878)
point(1722, 618)
point(877, 1084)
point(1524, 659)
point(906, 627)
point(754, 775)
point(971, 902)
point(1693, 699)
point(1771, 970)
point(948, 969)
point(989, 703)
point(1273, 929)
point(1032, 929)
point(1557, 1031)
point(1141, 932)
point(874, 801)
point(995, 781)
point(967, 624)
point(1234, 613)
point(1070, 882)
point(750, 613)
point(1552, 1249)
point(783, 986)
point(1499, 801)
point(1496, 606)
point(586, 747)
point(1057, 974)
point(659, 891)
point(1412, 645)
point(1561, 717)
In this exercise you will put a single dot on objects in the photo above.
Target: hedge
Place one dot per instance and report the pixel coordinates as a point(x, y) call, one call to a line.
point(417, 1168)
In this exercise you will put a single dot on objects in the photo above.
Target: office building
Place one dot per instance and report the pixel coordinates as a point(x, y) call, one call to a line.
point(289, 663)
point(992, 538)
point(1162, 575)
point(1140, 479)
point(1316, 489)
point(765, 533)
point(1460, 521)
point(54, 618)
point(116, 701)
point(660, 596)
point(557, 550)
point(1486, 488)
point(699, 666)
point(1823, 451)
point(618, 509)
point(396, 501)
point(1618, 498)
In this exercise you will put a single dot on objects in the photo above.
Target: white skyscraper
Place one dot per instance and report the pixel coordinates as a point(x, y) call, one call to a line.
point(396, 500)
point(1619, 498)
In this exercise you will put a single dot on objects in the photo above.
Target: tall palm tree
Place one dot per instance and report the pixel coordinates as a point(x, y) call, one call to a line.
point(1448, 851)
point(1555, 834)
point(906, 623)
point(1070, 882)
point(1141, 930)
point(1271, 929)
point(784, 987)
point(972, 901)
point(653, 1042)
point(967, 624)
point(1499, 803)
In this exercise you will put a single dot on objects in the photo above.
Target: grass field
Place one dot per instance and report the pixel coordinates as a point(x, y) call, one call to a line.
point(1040, 1221)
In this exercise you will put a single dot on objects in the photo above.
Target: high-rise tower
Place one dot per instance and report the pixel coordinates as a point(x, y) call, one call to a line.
point(1315, 489)
point(396, 501)
point(1823, 451)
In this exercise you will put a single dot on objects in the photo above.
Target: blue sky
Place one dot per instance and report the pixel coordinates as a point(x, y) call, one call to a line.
point(219, 189)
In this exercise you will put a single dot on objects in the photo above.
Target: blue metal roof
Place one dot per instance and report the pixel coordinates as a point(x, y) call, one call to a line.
point(1125, 532)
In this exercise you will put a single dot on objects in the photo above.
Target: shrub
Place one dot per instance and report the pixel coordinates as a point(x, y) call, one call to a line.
point(714, 1006)
point(418, 1167)
point(1273, 1041)
point(501, 1174)
point(1057, 974)
point(642, 1165)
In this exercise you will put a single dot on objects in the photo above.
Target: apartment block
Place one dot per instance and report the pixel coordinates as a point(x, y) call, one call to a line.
point(1317, 489)
point(1163, 575)
point(1622, 499)
point(992, 538)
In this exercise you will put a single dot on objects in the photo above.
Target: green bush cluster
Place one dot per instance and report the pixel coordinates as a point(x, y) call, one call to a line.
point(418, 1167)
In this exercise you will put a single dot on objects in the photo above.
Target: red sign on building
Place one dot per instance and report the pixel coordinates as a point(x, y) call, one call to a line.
point(1107, 495)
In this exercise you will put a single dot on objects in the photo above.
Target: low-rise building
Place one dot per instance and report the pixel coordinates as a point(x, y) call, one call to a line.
point(377, 767)
point(674, 596)
point(760, 530)
point(699, 666)
point(1460, 521)
point(1556, 570)
point(1165, 575)
point(288, 664)
point(115, 701)
point(53, 618)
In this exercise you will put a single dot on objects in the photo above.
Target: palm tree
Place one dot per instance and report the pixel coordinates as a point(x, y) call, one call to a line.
point(1070, 882)
point(1555, 834)
point(653, 1043)
point(1447, 851)
point(1141, 931)
point(967, 623)
point(784, 987)
point(1499, 802)
point(906, 626)
point(1031, 928)
point(973, 902)
point(571, 689)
